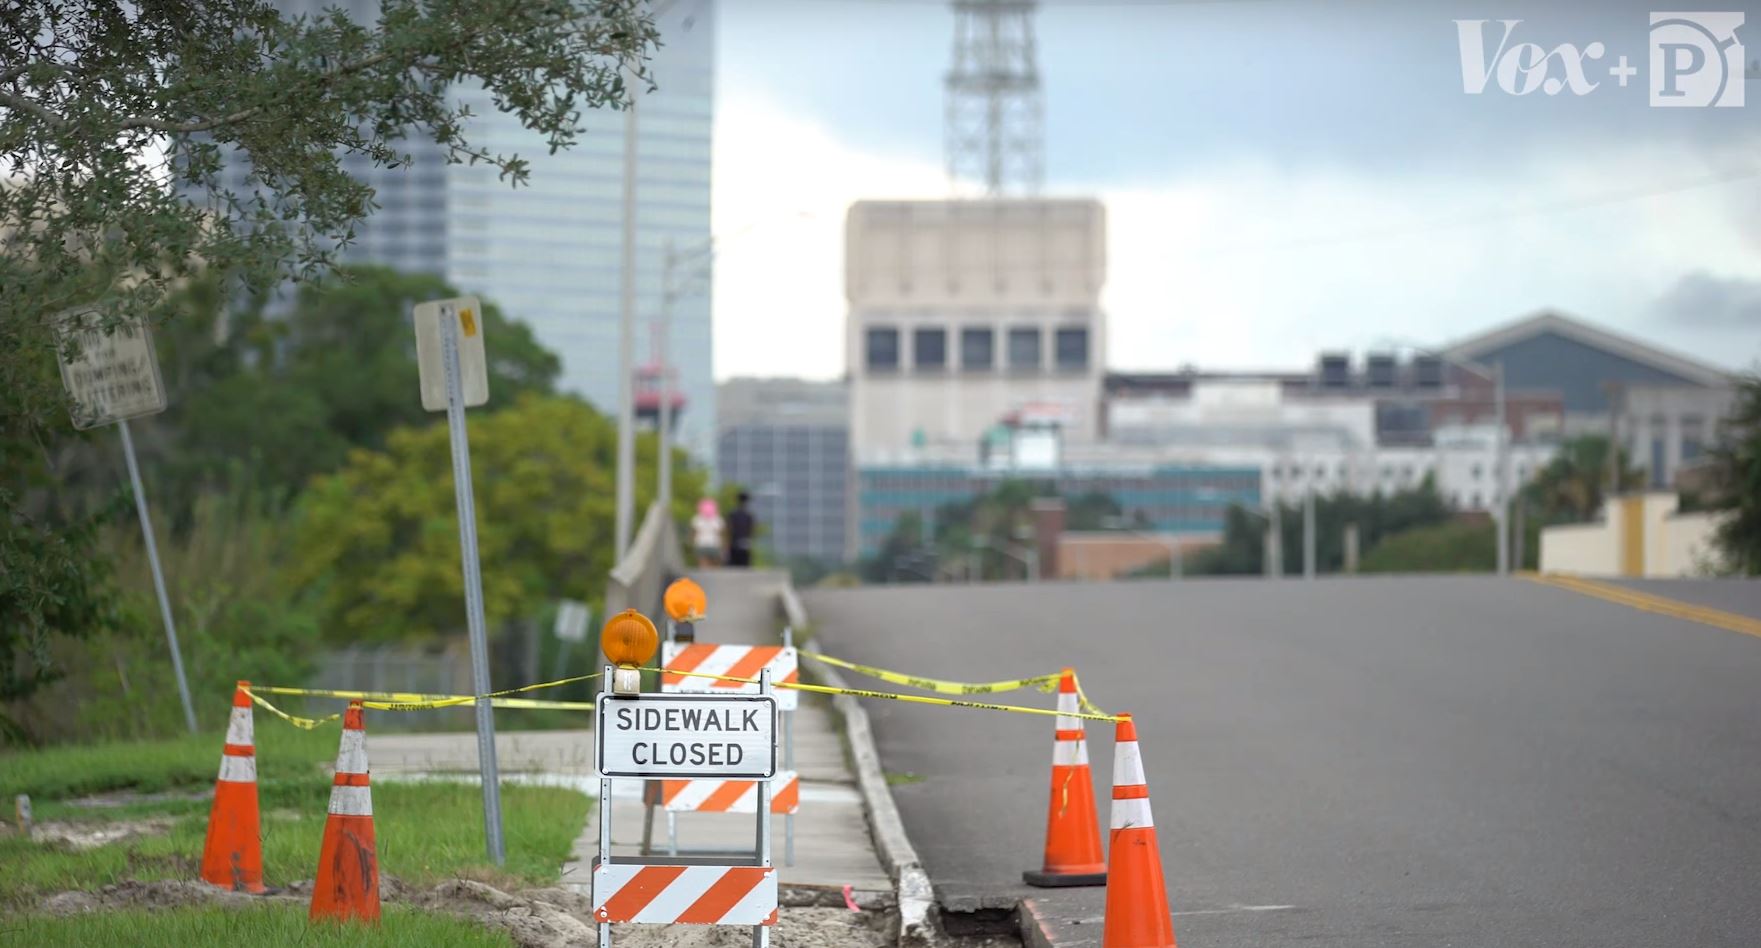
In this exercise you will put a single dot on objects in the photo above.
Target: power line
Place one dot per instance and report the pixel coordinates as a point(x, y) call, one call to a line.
point(1490, 217)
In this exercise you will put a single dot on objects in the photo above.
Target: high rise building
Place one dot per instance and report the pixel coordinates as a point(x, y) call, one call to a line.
point(787, 441)
point(549, 253)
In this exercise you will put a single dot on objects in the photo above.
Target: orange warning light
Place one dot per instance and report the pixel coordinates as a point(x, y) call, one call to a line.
point(685, 601)
point(628, 639)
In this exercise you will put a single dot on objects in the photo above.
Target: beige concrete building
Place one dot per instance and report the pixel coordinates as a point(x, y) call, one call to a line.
point(966, 313)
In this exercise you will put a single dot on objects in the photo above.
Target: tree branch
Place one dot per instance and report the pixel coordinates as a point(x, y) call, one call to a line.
point(208, 125)
point(25, 105)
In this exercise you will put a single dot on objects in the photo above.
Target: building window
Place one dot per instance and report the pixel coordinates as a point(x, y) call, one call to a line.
point(1478, 470)
point(1024, 347)
point(977, 348)
point(929, 349)
point(883, 349)
point(1072, 346)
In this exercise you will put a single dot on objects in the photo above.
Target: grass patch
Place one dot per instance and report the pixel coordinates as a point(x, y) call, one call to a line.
point(899, 780)
point(274, 924)
point(57, 773)
point(426, 832)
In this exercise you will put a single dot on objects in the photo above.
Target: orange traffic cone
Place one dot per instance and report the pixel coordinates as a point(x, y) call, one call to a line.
point(232, 857)
point(1137, 900)
point(1073, 829)
point(347, 886)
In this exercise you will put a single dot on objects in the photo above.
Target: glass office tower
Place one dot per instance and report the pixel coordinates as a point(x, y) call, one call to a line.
point(549, 253)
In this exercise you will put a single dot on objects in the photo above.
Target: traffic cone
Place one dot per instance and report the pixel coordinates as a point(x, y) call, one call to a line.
point(1137, 900)
point(1073, 829)
point(347, 886)
point(232, 856)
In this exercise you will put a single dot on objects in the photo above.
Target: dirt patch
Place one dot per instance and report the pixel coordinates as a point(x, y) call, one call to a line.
point(105, 801)
point(558, 918)
point(91, 835)
point(533, 918)
point(169, 893)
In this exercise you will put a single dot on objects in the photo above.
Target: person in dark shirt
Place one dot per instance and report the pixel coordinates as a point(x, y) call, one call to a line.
point(741, 526)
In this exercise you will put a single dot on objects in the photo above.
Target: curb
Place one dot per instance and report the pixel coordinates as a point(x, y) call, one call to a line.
point(916, 897)
point(1039, 930)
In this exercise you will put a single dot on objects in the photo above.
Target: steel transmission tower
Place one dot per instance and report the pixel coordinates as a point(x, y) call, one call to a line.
point(993, 104)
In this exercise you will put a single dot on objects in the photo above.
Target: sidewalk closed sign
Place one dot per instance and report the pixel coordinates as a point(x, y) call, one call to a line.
point(686, 736)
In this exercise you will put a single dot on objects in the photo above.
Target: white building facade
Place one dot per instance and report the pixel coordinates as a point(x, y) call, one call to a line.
point(965, 313)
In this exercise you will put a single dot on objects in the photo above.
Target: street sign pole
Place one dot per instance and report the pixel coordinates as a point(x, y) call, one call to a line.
point(112, 376)
point(461, 477)
point(134, 478)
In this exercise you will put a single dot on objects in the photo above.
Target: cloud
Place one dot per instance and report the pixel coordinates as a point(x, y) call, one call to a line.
point(782, 188)
point(1700, 300)
point(1258, 263)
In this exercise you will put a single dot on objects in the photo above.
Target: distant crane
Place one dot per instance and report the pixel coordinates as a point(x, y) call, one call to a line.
point(994, 111)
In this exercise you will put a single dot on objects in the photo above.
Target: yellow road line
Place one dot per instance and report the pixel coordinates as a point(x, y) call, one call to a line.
point(1647, 602)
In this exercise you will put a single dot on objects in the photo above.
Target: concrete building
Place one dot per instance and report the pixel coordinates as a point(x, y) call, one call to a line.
point(787, 442)
point(1664, 408)
point(975, 342)
point(963, 312)
point(1304, 436)
point(1169, 498)
point(549, 253)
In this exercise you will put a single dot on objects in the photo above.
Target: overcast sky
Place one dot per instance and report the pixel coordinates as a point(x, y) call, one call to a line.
point(1279, 177)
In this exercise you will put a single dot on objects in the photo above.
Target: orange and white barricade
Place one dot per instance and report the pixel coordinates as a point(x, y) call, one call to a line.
point(730, 796)
point(728, 661)
point(685, 895)
point(651, 737)
point(737, 661)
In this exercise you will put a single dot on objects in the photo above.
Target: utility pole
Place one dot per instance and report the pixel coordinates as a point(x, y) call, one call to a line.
point(1275, 540)
point(1614, 398)
point(1500, 465)
point(1308, 531)
point(626, 489)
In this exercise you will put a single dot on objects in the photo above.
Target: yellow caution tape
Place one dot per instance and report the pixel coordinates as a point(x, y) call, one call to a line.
point(416, 701)
point(1082, 698)
point(527, 704)
point(295, 720)
point(413, 697)
point(448, 701)
point(890, 696)
point(1045, 683)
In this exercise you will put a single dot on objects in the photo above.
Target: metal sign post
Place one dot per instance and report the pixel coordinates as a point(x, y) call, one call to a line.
point(789, 762)
point(654, 736)
point(113, 377)
point(450, 317)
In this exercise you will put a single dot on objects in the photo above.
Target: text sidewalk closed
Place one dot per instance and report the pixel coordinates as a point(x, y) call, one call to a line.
point(686, 736)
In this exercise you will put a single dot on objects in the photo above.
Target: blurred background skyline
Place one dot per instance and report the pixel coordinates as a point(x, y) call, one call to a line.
point(1278, 177)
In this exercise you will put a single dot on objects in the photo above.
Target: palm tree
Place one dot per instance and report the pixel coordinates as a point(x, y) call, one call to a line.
point(1570, 488)
point(1737, 479)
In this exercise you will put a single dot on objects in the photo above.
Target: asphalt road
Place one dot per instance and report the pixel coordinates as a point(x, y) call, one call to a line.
point(1402, 761)
point(1741, 596)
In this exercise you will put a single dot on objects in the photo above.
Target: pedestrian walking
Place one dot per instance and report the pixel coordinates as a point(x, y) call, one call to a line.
point(707, 529)
point(741, 527)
